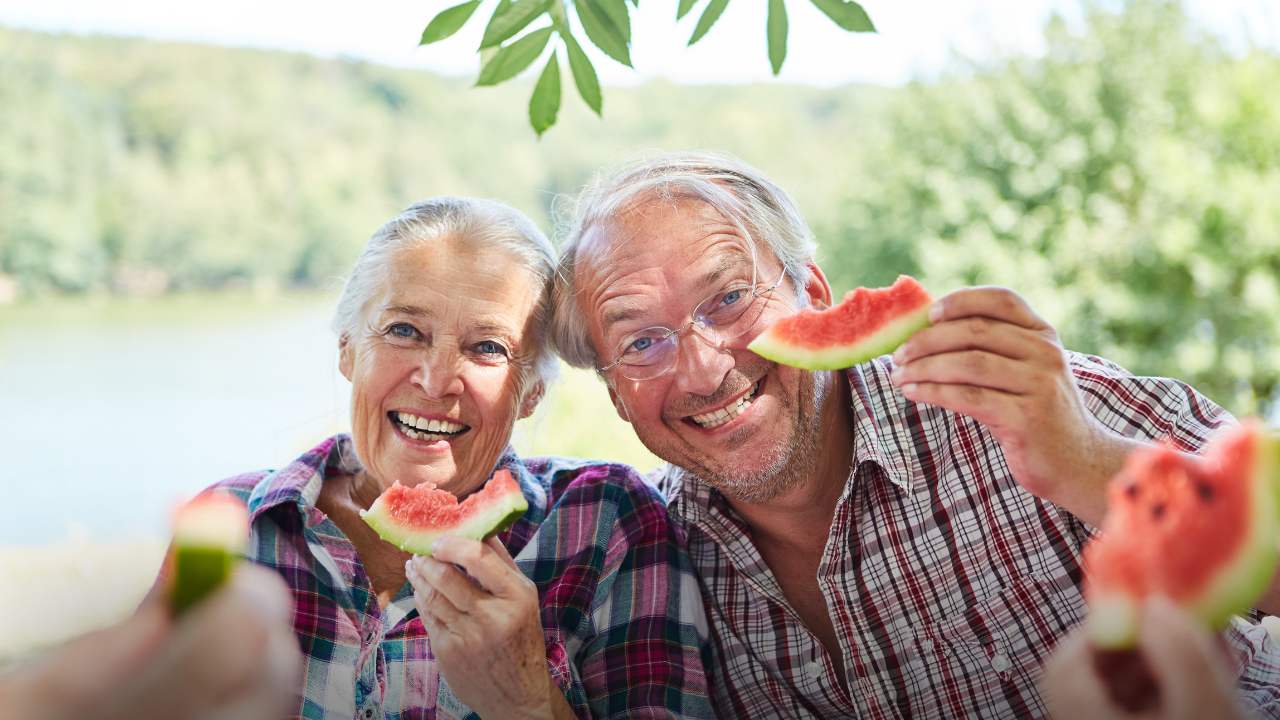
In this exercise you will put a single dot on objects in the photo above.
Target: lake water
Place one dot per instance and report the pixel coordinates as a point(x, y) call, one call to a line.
point(113, 410)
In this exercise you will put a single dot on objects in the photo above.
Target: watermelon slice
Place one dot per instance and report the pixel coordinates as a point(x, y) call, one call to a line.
point(412, 518)
point(209, 537)
point(1201, 531)
point(867, 324)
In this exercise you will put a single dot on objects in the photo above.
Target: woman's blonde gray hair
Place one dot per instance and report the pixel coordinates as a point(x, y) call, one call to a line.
point(761, 211)
point(486, 224)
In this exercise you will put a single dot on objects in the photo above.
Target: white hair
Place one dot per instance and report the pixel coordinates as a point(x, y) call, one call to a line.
point(486, 224)
point(760, 210)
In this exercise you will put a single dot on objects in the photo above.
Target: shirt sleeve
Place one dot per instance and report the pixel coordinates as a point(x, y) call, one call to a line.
point(646, 654)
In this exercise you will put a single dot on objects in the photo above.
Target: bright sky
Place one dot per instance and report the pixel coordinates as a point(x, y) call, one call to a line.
point(916, 36)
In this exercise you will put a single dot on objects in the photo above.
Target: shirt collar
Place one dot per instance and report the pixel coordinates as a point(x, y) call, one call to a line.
point(882, 436)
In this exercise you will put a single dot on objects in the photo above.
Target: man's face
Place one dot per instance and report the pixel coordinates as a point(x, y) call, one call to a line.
point(722, 412)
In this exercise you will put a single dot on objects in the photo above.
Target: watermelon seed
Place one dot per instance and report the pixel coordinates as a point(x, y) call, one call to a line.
point(1131, 490)
point(1204, 490)
point(1157, 511)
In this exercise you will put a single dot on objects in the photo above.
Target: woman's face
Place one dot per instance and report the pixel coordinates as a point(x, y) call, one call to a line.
point(435, 368)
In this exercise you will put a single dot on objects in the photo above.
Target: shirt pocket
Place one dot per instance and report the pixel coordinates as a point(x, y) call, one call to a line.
point(994, 650)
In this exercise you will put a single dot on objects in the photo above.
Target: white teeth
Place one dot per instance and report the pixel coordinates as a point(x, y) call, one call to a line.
point(716, 418)
point(424, 426)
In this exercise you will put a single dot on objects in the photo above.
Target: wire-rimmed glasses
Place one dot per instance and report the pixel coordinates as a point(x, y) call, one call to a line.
point(723, 316)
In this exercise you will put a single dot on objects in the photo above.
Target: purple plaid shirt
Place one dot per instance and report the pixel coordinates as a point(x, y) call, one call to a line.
point(624, 626)
point(947, 583)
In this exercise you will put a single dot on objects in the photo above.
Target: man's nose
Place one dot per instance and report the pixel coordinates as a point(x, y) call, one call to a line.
point(701, 365)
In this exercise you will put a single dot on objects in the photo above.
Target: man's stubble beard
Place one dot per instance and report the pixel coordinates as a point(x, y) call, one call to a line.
point(785, 465)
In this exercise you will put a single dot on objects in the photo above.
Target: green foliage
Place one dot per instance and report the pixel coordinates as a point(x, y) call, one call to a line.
point(607, 24)
point(544, 104)
point(1125, 183)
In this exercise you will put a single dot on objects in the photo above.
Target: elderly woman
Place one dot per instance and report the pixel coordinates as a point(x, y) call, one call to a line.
point(585, 608)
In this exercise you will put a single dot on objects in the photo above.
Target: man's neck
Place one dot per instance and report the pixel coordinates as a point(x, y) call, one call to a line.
point(800, 517)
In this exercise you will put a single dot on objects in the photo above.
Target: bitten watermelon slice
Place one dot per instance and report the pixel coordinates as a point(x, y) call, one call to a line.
point(412, 518)
point(866, 324)
point(1201, 531)
point(209, 537)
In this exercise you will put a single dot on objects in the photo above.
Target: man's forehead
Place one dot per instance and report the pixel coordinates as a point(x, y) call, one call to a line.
point(659, 232)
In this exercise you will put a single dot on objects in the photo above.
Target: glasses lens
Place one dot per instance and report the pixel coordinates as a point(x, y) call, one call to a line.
point(647, 354)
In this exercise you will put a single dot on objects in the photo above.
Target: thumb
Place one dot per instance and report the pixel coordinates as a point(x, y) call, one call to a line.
point(1187, 667)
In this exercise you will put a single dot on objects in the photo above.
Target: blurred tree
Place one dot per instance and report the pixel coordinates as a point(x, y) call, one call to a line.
point(1125, 182)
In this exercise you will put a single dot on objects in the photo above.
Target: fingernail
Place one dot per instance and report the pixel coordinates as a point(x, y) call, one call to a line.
point(900, 355)
point(895, 377)
point(909, 389)
point(935, 312)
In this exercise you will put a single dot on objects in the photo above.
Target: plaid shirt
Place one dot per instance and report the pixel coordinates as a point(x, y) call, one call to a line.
point(624, 625)
point(947, 583)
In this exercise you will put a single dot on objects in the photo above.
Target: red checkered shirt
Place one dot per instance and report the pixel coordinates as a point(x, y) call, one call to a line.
point(947, 583)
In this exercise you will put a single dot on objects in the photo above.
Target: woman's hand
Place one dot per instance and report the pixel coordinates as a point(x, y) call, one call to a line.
point(485, 629)
point(1181, 660)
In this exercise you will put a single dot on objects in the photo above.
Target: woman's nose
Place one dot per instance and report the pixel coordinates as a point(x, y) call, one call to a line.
point(440, 373)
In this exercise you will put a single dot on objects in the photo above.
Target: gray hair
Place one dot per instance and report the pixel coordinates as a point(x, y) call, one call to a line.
point(740, 193)
point(487, 224)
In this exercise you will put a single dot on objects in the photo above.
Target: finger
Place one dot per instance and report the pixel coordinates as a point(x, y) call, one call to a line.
point(987, 406)
point(447, 581)
point(998, 303)
point(274, 689)
point(1072, 687)
point(970, 333)
point(1182, 657)
point(969, 367)
point(501, 550)
point(432, 605)
point(482, 563)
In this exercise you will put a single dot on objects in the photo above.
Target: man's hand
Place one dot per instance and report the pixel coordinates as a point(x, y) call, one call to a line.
point(989, 356)
point(233, 656)
point(1191, 681)
point(485, 629)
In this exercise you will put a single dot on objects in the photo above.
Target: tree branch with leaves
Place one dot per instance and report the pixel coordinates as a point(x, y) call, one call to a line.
point(607, 25)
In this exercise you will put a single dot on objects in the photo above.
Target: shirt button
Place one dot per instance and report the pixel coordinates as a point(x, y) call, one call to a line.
point(812, 667)
point(1000, 662)
point(368, 713)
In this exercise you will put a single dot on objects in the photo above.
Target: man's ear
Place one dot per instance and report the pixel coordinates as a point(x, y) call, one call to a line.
point(817, 289)
point(617, 405)
point(531, 399)
point(346, 356)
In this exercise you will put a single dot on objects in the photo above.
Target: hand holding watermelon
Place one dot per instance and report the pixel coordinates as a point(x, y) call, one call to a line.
point(988, 355)
point(481, 614)
point(1178, 673)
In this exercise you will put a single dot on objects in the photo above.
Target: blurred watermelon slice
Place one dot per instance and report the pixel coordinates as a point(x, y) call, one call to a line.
point(1201, 531)
point(867, 324)
point(210, 534)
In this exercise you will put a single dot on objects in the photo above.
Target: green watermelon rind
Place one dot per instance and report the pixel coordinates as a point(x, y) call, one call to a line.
point(837, 357)
point(501, 514)
point(208, 542)
point(1114, 617)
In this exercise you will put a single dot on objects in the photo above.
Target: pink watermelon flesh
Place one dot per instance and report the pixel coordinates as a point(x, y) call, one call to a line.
point(1201, 531)
point(413, 518)
point(867, 324)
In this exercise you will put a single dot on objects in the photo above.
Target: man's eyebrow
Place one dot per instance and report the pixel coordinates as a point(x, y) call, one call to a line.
point(621, 314)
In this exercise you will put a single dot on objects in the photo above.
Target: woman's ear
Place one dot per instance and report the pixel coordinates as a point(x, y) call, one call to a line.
point(530, 401)
point(346, 359)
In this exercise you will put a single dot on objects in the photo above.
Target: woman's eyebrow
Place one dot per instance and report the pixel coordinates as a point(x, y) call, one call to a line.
point(412, 310)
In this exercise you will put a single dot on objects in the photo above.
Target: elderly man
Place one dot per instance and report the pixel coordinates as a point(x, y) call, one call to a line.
point(899, 539)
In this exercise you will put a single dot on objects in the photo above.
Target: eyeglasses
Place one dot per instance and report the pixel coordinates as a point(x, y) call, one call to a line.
point(725, 315)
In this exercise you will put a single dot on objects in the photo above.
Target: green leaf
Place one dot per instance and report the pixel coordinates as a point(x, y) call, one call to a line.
point(514, 58)
point(584, 75)
point(511, 17)
point(617, 12)
point(448, 22)
point(709, 18)
point(685, 7)
point(597, 18)
point(777, 31)
point(544, 105)
point(847, 14)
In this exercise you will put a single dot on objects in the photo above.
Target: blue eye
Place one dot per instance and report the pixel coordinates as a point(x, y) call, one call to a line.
point(641, 344)
point(489, 347)
point(404, 331)
point(732, 296)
